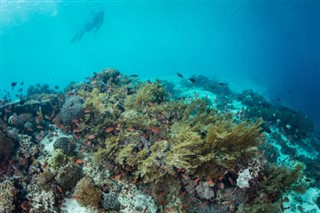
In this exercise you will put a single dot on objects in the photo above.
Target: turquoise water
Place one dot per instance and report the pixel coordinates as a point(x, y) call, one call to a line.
point(271, 47)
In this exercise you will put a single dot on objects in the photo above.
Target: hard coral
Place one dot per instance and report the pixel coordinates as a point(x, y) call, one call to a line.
point(65, 145)
point(87, 193)
point(71, 109)
point(57, 160)
point(148, 93)
point(110, 202)
point(7, 195)
point(69, 175)
point(45, 179)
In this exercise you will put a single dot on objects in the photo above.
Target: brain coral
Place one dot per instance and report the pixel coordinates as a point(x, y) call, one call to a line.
point(71, 109)
point(69, 175)
point(110, 202)
point(65, 145)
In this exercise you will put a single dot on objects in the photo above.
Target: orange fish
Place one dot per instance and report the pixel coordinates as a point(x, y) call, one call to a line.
point(39, 119)
point(45, 165)
point(70, 140)
point(155, 130)
point(76, 130)
point(151, 104)
point(39, 127)
point(79, 161)
point(75, 136)
point(130, 129)
point(196, 180)
point(117, 177)
point(109, 129)
point(60, 189)
point(90, 137)
point(39, 137)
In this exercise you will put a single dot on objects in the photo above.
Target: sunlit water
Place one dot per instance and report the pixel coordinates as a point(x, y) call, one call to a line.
point(271, 47)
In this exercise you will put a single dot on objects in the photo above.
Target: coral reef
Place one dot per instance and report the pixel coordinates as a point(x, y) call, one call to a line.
point(154, 146)
point(87, 193)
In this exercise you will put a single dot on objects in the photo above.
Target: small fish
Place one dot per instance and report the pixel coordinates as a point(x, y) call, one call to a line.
point(196, 180)
point(134, 76)
point(117, 177)
point(130, 129)
point(45, 165)
point(180, 75)
point(60, 189)
point(192, 80)
point(222, 84)
point(155, 130)
point(109, 129)
point(56, 87)
point(20, 90)
point(13, 84)
point(79, 161)
point(90, 137)
point(22, 83)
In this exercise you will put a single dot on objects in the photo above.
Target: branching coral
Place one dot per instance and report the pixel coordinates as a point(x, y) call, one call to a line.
point(148, 93)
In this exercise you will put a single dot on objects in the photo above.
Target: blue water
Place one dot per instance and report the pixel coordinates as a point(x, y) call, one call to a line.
point(271, 47)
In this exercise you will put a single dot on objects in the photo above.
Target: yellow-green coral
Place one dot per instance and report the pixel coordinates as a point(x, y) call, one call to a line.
point(154, 168)
point(57, 160)
point(281, 178)
point(148, 93)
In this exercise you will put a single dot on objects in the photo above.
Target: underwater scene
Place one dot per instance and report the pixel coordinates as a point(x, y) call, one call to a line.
point(159, 106)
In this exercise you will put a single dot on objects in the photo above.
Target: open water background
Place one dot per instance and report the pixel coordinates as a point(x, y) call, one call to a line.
point(272, 47)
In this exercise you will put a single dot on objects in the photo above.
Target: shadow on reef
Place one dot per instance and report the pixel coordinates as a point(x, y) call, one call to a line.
point(116, 143)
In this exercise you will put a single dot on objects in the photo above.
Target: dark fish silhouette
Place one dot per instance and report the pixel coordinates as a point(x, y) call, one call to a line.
point(22, 83)
point(222, 84)
point(192, 80)
point(134, 76)
point(20, 90)
point(180, 75)
point(94, 24)
point(13, 84)
point(56, 87)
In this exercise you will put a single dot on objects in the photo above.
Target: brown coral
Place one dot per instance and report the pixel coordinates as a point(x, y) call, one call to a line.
point(87, 193)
